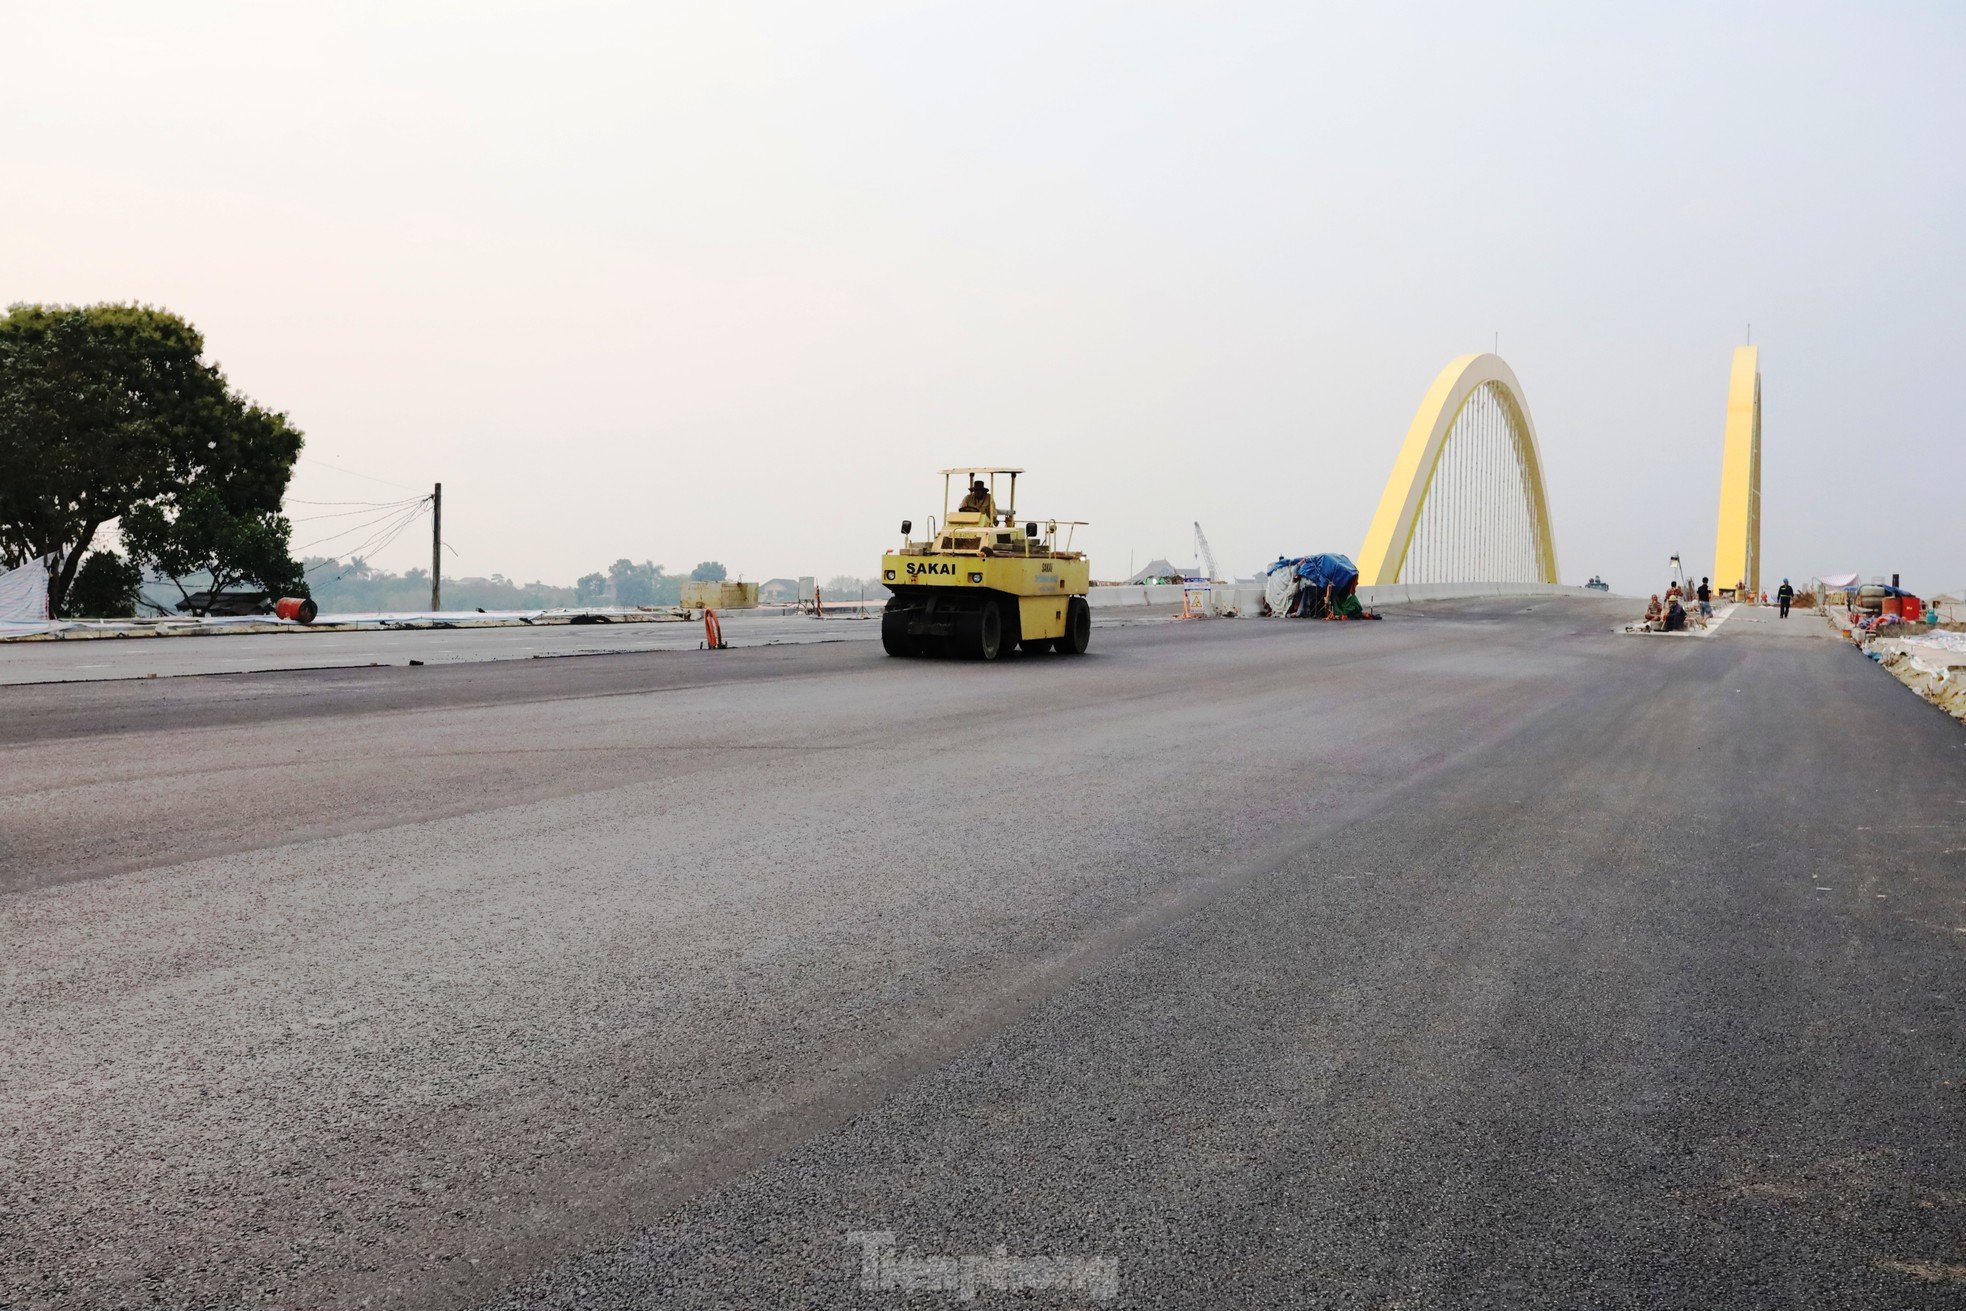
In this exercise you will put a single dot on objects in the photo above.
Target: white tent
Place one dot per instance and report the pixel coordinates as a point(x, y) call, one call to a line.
point(1157, 569)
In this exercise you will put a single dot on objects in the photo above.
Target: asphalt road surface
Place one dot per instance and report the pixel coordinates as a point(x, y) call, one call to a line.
point(1482, 957)
point(103, 659)
point(95, 659)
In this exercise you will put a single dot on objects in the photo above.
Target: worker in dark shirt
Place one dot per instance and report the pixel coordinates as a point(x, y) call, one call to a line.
point(1785, 594)
point(1705, 594)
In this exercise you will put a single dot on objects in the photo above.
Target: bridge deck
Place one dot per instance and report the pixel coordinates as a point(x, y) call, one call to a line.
point(1477, 957)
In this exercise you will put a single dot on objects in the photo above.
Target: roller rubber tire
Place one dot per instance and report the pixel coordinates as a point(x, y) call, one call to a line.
point(989, 633)
point(895, 638)
point(979, 634)
point(1078, 628)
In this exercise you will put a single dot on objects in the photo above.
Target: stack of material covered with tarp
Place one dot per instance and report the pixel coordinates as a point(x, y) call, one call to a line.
point(1888, 603)
point(1305, 586)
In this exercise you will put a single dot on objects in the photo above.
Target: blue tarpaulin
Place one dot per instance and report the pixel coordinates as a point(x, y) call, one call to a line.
point(1320, 571)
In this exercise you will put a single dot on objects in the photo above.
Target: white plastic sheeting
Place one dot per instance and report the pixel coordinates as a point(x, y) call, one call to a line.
point(1939, 639)
point(190, 626)
point(1280, 590)
point(24, 599)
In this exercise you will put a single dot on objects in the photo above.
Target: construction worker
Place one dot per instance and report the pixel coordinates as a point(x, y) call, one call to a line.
point(1705, 594)
point(1785, 594)
point(978, 500)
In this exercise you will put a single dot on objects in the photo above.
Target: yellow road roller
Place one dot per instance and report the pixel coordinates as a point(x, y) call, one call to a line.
point(980, 582)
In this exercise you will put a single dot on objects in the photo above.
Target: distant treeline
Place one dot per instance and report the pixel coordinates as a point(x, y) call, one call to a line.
point(353, 586)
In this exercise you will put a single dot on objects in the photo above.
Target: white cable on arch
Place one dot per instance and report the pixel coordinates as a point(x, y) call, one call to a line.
point(1475, 523)
point(1464, 501)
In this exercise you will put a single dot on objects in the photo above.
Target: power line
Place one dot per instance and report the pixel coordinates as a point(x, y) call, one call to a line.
point(399, 530)
point(352, 474)
point(388, 514)
point(295, 500)
point(385, 507)
point(388, 533)
point(376, 541)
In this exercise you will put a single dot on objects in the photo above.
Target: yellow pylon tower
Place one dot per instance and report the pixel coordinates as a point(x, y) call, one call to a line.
point(1737, 544)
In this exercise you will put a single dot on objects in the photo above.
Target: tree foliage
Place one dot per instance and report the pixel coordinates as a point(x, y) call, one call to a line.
point(355, 586)
point(197, 532)
point(105, 587)
point(591, 589)
point(846, 587)
point(634, 584)
point(709, 572)
point(107, 407)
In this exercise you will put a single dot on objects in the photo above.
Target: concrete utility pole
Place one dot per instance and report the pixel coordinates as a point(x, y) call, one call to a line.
point(437, 547)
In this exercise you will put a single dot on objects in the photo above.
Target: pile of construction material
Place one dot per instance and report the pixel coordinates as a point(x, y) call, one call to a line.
point(1932, 664)
point(718, 595)
point(1308, 586)
point(1907, 635)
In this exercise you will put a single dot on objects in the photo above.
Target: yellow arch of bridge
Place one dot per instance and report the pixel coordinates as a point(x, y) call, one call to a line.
point(1383, 556)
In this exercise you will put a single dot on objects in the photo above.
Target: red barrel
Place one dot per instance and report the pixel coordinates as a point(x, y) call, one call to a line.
point(1914, 609)
point(300, 609)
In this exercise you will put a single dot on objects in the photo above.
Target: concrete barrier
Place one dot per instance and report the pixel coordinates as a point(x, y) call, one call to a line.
point(1135, 594)
point(1246, 598)
point(1411, 593)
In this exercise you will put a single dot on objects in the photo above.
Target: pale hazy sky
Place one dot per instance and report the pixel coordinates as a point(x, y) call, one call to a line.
point(730, 280)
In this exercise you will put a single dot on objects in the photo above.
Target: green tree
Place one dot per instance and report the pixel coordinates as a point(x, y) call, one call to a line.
point(709, 572)
point(105, 587)
point(591, 589)
point(108, 407)
point(356, 586)
point(634, 584)
point(197, 532)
